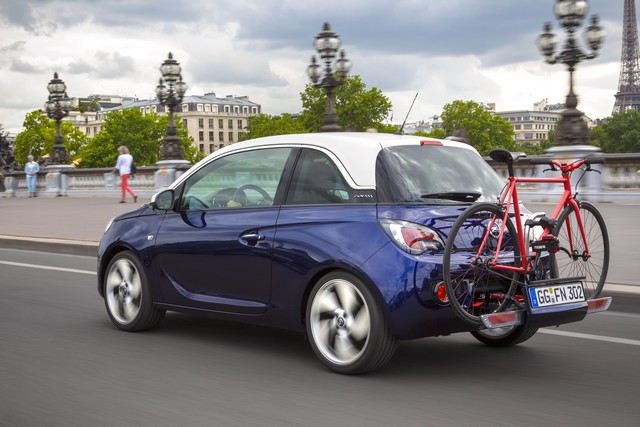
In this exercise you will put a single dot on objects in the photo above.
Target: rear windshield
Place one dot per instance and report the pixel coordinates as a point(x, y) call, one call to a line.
point(429, 174)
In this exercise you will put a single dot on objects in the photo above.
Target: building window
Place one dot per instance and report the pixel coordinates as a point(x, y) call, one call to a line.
point(210, 135)
point(236, 109)
point(230, 136)
point(221, 145)
point(528, 136)
point(95, 130)
point(201, 147)
point(245, 110)
point(254, 110)
point(516, 127)
point(185, 108)
point(221, 137)
point(199, 107)
point(200, 122)
point(220, 123)
point(527, 126)
point(239, 124)
point(201, 136)
point(211, 123)
point(207, 108)
point(88, 131)
point(210, 148)
point(184, 122)
point(230, 123)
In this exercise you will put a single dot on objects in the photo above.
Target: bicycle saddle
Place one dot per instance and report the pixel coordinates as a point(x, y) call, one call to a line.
point(503, 155)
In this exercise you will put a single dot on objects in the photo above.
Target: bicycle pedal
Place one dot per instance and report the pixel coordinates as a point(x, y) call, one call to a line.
point(549, 243)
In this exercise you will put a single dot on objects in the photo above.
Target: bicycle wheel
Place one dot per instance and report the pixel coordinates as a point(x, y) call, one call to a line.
point(473, 287)
point(571, 260)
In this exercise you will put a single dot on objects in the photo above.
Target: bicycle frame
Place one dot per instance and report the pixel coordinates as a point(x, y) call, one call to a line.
point(510, 198)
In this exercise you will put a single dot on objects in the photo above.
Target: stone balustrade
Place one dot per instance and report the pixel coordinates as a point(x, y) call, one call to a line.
point(619, 180)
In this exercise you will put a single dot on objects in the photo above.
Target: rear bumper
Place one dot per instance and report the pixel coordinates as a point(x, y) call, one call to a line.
point(558, 315)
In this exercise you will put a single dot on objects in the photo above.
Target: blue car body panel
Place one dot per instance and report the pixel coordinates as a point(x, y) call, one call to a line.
point(198, 261)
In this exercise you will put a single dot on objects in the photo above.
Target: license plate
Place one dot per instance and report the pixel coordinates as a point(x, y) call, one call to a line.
point(545, 296)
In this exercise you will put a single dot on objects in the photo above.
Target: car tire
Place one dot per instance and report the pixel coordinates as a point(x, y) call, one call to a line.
point(347, 329)
point(127, 295)
point(504, 337)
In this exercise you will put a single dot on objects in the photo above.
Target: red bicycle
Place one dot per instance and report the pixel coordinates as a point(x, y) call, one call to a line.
point(500, 270)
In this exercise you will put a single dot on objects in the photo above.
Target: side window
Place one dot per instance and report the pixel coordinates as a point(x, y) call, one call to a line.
point(238, 180)
point(317, 180)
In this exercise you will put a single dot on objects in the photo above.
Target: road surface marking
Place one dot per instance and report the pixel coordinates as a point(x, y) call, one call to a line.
point(47, 267)
point(590, 337)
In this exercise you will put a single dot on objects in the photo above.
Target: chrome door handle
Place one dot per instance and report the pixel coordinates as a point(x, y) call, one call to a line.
point(252, 237)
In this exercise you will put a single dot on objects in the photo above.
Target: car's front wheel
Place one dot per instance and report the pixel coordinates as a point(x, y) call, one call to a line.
point(127, 294)
point(346, 326)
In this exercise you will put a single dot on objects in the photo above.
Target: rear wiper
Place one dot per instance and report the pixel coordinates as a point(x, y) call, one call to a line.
point(459, 196)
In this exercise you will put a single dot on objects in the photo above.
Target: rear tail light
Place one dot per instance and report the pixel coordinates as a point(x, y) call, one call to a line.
point(412, 238)
point(440, 293)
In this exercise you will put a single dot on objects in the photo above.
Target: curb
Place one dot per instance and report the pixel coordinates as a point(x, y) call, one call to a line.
point(61, 246)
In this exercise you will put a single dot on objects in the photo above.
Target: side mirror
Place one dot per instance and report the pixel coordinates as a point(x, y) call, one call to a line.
point(163, 200)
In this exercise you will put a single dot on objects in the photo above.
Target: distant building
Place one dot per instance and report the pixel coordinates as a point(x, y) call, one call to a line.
point(212, 122)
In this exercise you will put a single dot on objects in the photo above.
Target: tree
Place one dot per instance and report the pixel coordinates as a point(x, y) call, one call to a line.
point(486, 130)
point(620, 133)
point(38, 136)
point(355, 106)
point(142, 134)
point(265, 125)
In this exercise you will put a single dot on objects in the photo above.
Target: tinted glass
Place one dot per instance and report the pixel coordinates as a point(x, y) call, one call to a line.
point(407, 173)
point(238, 180)
point(317, 180)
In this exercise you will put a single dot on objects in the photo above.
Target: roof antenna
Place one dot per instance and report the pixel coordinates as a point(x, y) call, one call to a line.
point(405, 119)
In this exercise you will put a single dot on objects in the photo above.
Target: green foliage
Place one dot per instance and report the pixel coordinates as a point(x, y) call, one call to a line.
point(38, 136)
point(620, 133)
point(532, 149)
point(486, 130)
point(435, 133)
point(265, 125)
point(355, 107)
point(142, 134)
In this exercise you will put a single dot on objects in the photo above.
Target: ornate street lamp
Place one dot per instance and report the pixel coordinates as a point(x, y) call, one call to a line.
point(572, 129)
point(327, 44)
point(170, 91)
point(57, 108)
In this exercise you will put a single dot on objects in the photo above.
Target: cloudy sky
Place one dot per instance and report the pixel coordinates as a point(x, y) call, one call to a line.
point(481, 50)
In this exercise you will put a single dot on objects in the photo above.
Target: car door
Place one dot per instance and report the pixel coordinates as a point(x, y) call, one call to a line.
point(214, 251)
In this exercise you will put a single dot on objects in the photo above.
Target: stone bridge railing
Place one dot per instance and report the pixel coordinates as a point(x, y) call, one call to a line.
point(619, 180)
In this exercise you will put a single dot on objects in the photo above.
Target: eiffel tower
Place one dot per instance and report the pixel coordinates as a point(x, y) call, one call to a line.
point(628, 95)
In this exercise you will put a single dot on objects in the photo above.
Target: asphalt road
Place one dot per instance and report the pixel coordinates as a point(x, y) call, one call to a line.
point(62, 363)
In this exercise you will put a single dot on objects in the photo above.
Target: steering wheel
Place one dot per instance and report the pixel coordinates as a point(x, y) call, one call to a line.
point(222, 197)
point(265, 196)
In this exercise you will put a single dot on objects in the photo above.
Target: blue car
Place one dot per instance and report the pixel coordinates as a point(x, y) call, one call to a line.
point(339, 236)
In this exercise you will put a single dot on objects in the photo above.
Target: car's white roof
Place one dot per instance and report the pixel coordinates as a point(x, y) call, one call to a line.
point(354, 153)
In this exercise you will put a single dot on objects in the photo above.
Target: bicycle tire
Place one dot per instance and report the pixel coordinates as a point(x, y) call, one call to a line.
point(474, 289)
point(595, 268)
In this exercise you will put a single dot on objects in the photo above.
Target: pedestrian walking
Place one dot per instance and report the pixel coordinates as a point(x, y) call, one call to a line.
point(123, 165)
point(31, 169)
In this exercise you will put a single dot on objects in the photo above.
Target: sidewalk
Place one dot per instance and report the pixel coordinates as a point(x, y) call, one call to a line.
point(68, 223)
point(74, 225)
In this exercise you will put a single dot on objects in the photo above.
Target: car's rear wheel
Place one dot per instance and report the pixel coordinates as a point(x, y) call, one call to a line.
point(127, 294)
point(347, 329)
point(504, 337)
